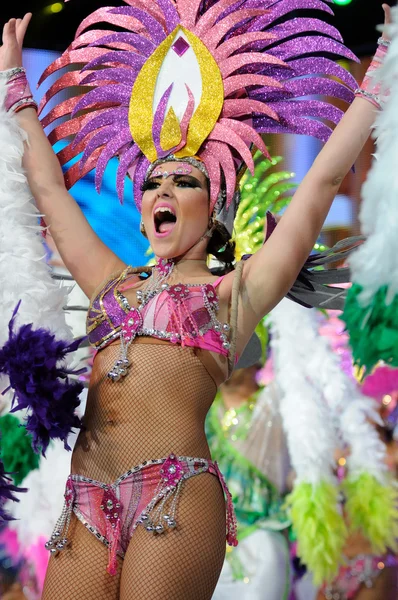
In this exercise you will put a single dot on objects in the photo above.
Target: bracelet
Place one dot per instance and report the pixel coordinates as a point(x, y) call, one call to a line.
point(18, 95)
point(372, 98)
point(383, 42)
point(370, 89)
point(10, 73)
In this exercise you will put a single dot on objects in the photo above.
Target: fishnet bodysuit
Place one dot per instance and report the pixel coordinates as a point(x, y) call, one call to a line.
point(159, 408)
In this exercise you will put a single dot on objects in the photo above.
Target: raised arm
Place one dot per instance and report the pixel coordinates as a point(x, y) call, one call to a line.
point(88, 259)
point(270, 273)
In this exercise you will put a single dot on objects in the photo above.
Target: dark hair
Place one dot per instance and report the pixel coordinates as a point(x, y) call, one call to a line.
point(221, 246)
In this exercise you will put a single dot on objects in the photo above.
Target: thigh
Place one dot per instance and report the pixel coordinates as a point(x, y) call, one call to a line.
point(79, 571)
point(185, 562)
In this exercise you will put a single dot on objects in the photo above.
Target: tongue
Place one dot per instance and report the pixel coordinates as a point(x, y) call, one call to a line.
point(166, 226)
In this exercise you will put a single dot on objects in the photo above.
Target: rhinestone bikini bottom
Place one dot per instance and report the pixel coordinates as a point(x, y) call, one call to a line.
point(146, 495)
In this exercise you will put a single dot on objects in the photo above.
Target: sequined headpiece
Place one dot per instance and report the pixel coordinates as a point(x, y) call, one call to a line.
point(194, 78)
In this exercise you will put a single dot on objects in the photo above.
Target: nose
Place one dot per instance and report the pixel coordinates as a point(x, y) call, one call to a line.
point(165, 188)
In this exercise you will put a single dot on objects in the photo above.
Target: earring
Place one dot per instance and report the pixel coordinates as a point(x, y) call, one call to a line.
point(142, 229)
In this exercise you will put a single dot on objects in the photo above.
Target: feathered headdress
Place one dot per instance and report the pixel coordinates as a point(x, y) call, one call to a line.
point(189, 78)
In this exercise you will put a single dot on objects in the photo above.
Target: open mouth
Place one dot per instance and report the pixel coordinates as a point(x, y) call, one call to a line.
point(164, 219)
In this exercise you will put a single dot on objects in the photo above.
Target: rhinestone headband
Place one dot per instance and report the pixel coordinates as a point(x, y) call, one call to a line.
point(190, 160)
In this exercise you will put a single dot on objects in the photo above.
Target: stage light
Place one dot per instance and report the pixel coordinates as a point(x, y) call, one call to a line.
point(54, 8)
point(342, 2)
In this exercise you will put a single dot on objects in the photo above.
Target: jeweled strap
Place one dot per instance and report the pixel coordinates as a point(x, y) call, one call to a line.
point(115, 276)
point(234, 315)
point(232, 526)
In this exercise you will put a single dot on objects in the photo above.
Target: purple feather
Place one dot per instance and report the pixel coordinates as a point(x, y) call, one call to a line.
point(7, 491)
point(33, 360)
point(271, 224)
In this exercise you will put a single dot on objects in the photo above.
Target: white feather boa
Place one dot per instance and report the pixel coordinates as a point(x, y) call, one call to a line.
point(24, 273)
point(375, 264)
point(320, 402)
point(310, 433)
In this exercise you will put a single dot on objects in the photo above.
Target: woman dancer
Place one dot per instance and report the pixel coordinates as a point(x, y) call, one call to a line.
point(168, 337)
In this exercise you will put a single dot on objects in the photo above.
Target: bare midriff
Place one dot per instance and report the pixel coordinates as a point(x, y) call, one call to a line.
point(157, 409)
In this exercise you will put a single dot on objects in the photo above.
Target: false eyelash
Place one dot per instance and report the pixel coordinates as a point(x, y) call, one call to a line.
point(147, 185)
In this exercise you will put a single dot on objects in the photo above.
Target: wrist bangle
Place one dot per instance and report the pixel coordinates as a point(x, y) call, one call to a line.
point(8, 74)
point(371, 88)
point(372, 98)
point(18, 94)
point(383, 42)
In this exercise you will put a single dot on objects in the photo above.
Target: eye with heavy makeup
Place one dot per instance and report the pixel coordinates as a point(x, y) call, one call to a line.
point(188, 181)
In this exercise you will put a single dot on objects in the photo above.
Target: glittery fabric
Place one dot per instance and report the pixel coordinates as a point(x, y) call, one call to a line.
point(235, 83)
point(61, 110)
point(67, 128)
point(170, 12)
point(141, 115)
point(18, 93)
point(122, 21)
point(131, 59)
point(293, 124)
point(67, 79)
point(242, 106)
point(117, 74)
point(240, 41)
point(180, 314)
point(309, 44)
point(125, 424)
point(111, 149)
point(303, 25)
point(158, 120)
point(213, 37)
point(228, 136)
point(248, 53)
point(113, 93)
point(232, 64)
point(98, 122)
point(150, 23)
point(82, 55)
point(131, 40)
point(371, 86)
point(112, 511)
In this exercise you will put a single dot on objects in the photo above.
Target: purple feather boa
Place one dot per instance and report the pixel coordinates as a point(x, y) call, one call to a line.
point(32, 359)
point(7, 491)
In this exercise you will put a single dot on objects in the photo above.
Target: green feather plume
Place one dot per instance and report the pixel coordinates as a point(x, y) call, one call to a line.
point(261, 192)
point(319, 527)
point(373, 508)
point(16, 449)
point(373, 329)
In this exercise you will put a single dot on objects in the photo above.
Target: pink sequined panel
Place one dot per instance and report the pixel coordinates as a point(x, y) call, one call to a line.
point(133, 495)
point(181, 314)
point(147, 495)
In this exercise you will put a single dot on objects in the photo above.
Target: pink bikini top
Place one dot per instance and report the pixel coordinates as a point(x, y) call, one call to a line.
point(183, 314)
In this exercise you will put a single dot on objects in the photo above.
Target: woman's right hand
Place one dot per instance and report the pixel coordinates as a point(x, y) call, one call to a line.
point(13, 37)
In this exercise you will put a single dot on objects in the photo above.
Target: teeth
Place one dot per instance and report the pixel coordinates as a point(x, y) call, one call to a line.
point(163, 209)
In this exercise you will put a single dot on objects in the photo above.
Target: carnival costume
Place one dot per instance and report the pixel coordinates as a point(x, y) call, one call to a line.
point(249, 446)
point(193, 82)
